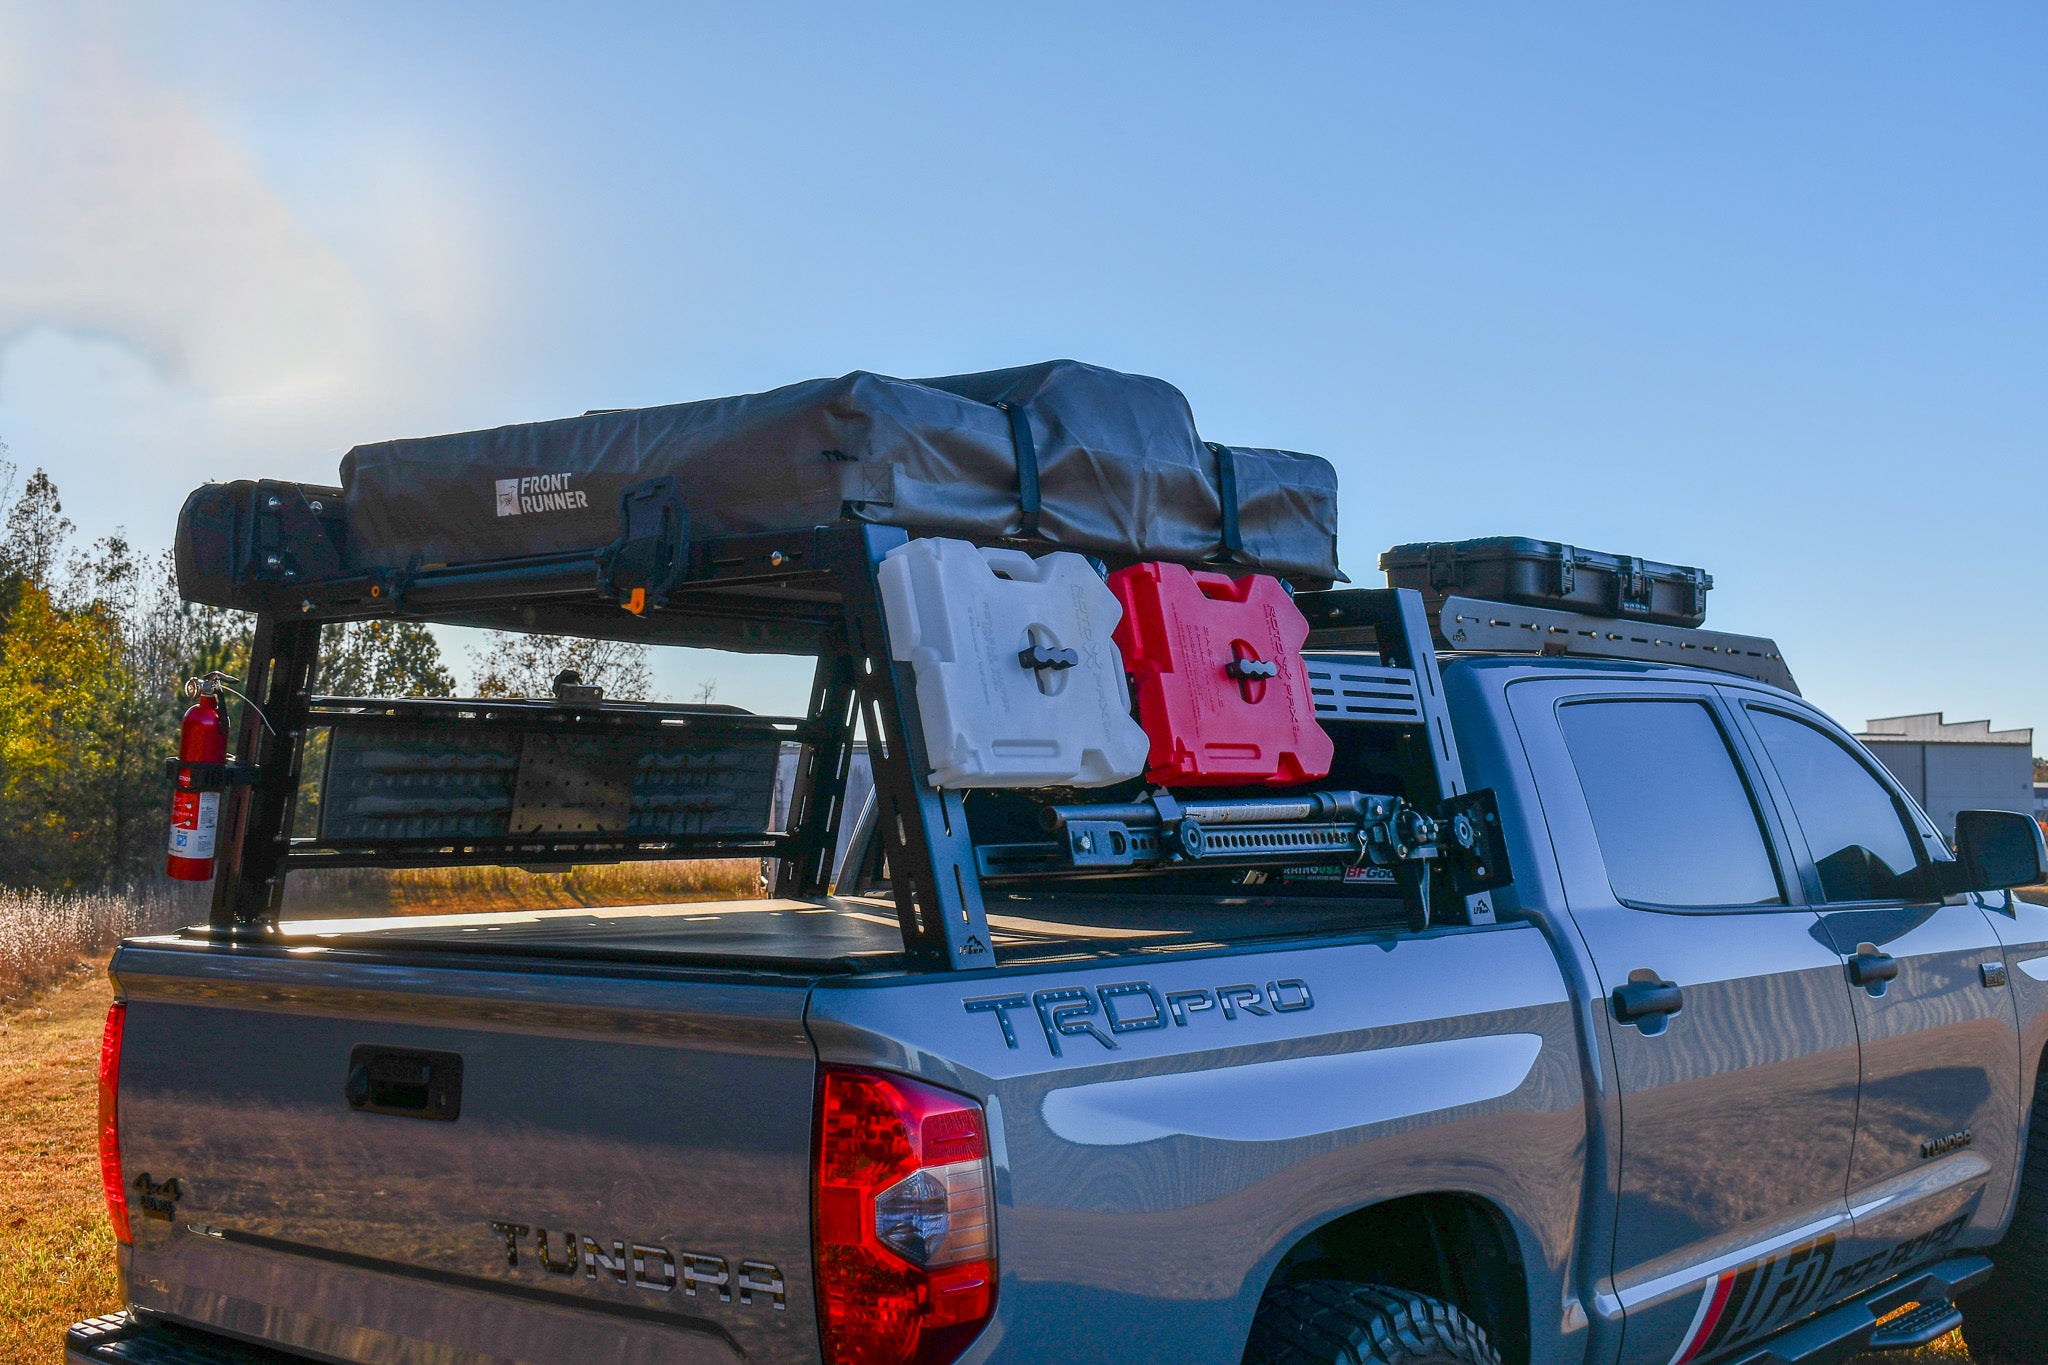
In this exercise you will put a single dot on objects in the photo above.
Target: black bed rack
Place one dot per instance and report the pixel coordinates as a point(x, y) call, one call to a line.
point(806, 591)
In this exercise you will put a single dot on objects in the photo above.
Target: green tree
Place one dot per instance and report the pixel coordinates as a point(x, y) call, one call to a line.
point(382, 659)
point(526, 666)
point(36, 529)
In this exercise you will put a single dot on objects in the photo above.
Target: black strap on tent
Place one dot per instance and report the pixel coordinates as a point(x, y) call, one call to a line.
point(1027, 465)
point(1226, 496)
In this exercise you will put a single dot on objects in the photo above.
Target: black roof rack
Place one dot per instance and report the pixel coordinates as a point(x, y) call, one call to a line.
point(1482, 626)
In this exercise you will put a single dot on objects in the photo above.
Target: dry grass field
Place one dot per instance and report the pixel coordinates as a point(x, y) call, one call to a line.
point(59, 1265)
point(450, 890)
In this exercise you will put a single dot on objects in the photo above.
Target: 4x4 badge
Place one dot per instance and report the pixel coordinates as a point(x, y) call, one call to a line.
point(158, 1201)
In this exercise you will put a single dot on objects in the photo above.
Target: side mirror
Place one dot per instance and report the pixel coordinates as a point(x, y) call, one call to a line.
point(1996, 849)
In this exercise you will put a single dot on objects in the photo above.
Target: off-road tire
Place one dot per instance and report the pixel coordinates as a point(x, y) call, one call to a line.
point(1334, 1322)
point(2007, 1320)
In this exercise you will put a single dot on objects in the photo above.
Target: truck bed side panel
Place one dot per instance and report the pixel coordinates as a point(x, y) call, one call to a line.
point(1158, 1156)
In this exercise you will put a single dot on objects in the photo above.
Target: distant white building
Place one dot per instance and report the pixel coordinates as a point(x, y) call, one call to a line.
point(1956, 766)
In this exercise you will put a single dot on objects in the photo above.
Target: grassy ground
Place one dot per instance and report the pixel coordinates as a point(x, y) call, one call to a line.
point(451, 890)
point(43, 935)
point(59, 1261)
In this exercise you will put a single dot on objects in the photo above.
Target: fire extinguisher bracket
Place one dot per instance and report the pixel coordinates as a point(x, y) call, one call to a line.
point(210, 777)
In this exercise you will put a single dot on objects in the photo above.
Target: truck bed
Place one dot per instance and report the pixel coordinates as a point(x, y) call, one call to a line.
point(838, 934)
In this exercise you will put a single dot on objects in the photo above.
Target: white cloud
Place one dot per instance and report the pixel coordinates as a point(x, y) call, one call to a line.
point(170, 314)
point(133, 218)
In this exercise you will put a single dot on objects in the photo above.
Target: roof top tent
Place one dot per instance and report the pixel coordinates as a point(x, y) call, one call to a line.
point(659, 527)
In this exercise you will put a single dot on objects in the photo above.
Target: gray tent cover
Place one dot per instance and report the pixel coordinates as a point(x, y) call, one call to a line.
point(1121, 473)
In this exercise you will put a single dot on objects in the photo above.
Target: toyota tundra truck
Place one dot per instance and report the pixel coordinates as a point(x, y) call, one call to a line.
point(1603, 1004)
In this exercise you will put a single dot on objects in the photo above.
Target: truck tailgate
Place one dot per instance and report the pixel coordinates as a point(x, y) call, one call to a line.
point(429, 1162)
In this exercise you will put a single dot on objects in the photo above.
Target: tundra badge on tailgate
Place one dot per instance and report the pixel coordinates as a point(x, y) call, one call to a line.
point(648, 1266)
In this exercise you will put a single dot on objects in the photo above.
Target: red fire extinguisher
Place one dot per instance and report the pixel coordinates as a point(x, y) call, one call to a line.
point(195, 814)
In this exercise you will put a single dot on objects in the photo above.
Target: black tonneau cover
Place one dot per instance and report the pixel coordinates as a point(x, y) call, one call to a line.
point(1111, 462)
point(833, 934)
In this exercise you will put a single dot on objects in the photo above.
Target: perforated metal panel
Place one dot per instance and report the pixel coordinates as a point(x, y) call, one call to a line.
point(1355, 690)
point(573, 784)
point(417, 782)
point(424, 782)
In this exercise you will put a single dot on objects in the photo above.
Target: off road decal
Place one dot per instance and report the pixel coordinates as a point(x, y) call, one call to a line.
point(1742, 1299)
point(1745, 1300)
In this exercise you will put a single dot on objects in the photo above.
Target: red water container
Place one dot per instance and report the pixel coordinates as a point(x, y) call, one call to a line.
point(1221, 687)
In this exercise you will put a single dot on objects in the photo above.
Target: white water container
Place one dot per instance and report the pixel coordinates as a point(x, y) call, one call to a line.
point(1018, 680)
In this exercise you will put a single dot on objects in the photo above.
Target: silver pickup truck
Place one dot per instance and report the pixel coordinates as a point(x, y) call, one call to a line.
point(1729, 1055)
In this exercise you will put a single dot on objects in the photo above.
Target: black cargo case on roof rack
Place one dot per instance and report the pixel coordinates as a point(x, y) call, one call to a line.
point(1513, 595)
point(1550, 574)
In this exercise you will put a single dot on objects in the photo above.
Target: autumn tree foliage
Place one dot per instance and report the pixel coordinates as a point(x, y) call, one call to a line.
point(95, 645)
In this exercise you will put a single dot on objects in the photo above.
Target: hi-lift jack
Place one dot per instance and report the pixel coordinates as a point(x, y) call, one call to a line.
point(1462, 839)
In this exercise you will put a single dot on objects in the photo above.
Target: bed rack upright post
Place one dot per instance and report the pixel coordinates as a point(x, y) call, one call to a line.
point(923, 828)
point(255, 824)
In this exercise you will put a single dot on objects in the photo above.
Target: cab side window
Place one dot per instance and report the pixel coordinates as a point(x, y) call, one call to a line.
point(1861, 843)
point(1675, 821)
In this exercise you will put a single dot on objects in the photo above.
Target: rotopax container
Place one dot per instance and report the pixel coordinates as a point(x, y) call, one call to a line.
point(1018, 681)
point(1222, 690)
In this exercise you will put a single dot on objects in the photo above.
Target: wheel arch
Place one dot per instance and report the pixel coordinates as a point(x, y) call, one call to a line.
point(1460, 1248)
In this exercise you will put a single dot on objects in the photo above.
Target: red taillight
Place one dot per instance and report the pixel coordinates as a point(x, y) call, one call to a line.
point(110, 1125)
point(906, 1247)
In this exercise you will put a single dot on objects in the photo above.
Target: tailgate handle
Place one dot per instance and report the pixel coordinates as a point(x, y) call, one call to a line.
point(404, 1081)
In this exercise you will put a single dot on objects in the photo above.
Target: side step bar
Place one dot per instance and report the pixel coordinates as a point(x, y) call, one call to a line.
point(1931, 1321)
point(1852, 1329)
point(118, 1339)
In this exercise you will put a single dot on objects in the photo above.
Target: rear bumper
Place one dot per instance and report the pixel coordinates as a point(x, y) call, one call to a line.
point(118, 1339)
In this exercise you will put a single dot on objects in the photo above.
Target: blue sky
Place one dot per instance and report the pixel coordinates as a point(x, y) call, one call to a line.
point(1759, 288)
